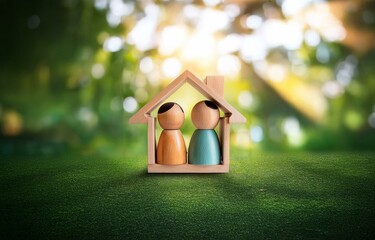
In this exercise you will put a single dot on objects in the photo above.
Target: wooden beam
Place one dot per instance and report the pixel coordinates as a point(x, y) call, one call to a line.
point(187, 77)
point(236, 117)
point(141, 115)
point(216, 83)
point(187, 168)
point(224, 136)
point(151, 139)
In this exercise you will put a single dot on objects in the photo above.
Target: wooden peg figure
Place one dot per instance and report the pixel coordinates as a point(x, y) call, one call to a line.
point(171, 147)
point(204, 147)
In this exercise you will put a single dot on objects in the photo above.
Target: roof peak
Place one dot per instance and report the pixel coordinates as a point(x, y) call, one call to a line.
point(200, 86)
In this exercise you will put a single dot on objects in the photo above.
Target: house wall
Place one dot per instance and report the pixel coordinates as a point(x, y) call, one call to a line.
point(151, 139)
point(224, 137)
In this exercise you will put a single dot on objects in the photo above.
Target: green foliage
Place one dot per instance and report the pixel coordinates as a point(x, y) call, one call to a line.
point(60, 86)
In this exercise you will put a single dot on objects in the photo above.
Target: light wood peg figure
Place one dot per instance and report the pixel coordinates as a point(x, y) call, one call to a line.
point(171, 147)
point(204, 147)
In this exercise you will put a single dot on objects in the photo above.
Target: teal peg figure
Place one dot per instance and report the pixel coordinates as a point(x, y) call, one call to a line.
point(204, 147)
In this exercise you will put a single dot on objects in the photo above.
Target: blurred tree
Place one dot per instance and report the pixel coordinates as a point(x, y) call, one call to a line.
point(73, 71)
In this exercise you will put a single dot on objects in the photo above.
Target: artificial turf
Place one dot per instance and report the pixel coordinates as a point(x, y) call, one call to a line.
point(295, 195)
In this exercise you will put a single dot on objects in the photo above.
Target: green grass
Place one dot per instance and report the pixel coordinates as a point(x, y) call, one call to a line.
point(265, 196)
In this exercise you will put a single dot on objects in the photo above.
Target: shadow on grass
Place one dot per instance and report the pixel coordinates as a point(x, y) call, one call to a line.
point(106, 197)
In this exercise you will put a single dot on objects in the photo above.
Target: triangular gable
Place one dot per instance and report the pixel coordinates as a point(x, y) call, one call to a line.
point(187, 77)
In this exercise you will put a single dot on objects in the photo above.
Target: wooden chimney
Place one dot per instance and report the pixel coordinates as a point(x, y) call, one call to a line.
point(216, 83)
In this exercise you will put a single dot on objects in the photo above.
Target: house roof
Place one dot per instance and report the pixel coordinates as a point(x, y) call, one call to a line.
point(187, 77)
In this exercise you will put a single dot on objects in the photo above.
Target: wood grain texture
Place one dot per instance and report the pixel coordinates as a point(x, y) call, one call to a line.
point(174, 161)
point(205, 117)
point(204, 148)
point(216, 83)
point(171, 148)
point(224, 136)
point(151, 139)
point(187, 168)
point(173, 118)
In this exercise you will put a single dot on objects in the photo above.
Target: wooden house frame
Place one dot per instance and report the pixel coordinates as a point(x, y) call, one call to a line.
point(213, 89)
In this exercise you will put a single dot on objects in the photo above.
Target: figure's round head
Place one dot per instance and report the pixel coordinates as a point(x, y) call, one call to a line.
point(205, 115)
point(171, 116)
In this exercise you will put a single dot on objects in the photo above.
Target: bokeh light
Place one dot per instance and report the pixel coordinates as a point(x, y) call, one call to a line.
point(33, 22)
point(113, 44)
point(256, 134)
point(130, 104)
point(299, 70)
point(292, 129)
point(87, 117)
point(97, 70)
point(371, 120)
point(171, 67)
point(245, 99)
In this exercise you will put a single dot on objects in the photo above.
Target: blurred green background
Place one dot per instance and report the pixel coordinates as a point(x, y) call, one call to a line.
point(73, 71)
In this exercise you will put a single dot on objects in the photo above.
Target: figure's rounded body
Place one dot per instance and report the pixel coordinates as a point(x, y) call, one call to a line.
point(204, 148)
point(171, 147)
